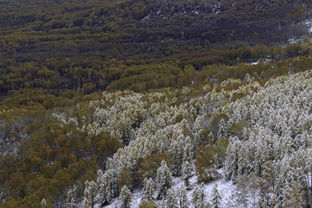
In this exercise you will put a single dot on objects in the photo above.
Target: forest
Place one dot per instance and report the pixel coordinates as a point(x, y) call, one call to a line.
point(77, 46)
point(155, 104)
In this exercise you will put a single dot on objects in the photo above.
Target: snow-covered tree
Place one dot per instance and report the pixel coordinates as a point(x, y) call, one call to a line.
point(148, 190)
point(177, 155)
point(222, 130)
point(216, 198)
point(104, 187)
point(187, 171)
point(247, 78)
point(89, 194)
point(231, 161)
point(113, 176)
point(188, 150)
point(43, 203)
point(164, 179)
point(182, 198)
point(71, 197)
point(125, 197)
point(240, 199)
point(171, 200)
point(275, 125)
point(1, 195)
point(198, 197)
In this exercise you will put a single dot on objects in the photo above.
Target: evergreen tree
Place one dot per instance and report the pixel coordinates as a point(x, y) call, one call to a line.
point(242, 161)
point(196, 141)
point(262, 202)
point(231, 161)
point(43, 203)
point(247, 78)
point(211, 138)
point(171, 199)
point(104, 188)
point(187, 171)
point(71, 198)
point(198, 197)
point(125, 197)
point(89, 194)
point(188, 150)
point(240, 199)
point(216, 198)
point(164, 179)
point(182, 198)
point(222, 130)
point(113, 176)
point(177, 155)
point(148, 189)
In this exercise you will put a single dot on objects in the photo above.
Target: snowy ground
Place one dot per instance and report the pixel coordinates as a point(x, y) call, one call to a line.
point(226, 189)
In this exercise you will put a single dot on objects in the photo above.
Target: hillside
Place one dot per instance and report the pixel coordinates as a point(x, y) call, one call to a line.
point(252, 130)
point(155, 104)
point(63, 45)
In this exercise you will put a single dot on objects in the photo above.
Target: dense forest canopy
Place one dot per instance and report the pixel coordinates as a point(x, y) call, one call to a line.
point(64, 44)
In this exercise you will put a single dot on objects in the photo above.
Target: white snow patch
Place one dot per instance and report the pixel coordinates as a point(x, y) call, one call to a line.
point(136, 198)
point(308, 23)
point(267, 60)
point(226, 189)
point(255, 62)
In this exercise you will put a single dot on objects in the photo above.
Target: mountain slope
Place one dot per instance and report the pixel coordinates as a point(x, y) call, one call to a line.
point(93, 27)
point(151, 103)
point(272, 144)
